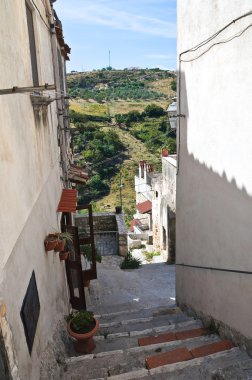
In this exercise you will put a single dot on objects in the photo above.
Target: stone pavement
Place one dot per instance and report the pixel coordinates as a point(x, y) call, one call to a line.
point(115, 289)
point(143, 335)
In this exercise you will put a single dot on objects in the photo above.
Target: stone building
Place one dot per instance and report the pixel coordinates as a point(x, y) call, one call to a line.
point(214, 182)
point(35, 156)
point(164, 209)
point(110, 233)
point(142, 223)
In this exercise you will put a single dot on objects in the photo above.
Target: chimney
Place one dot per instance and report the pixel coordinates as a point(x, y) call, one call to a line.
point(141, 168)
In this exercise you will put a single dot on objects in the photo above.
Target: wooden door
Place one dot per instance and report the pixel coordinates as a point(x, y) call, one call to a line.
point(74, 270)
point(86, 241)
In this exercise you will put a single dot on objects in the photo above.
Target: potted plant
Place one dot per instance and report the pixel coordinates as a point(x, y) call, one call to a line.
point(87, 255)
point(63, 237)
point(165, 151)
point(82, 326)
point(63, 255)
point(50, 242)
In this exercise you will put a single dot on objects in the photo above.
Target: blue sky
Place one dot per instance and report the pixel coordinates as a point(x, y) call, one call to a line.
point(138, 33)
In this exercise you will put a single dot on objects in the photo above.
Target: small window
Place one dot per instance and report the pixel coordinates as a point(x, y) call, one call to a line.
point(32, 46)
point(156, 194)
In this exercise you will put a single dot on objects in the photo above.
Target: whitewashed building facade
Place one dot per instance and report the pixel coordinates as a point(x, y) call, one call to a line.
point(214, 182)
point(34, 152)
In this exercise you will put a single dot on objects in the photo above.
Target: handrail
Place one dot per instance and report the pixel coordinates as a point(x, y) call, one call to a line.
point(213, 268)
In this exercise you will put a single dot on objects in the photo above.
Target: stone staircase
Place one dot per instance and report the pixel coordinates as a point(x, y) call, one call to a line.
point(158, 343)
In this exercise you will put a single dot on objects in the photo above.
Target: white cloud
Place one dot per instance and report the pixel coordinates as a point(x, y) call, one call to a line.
point(99, 14)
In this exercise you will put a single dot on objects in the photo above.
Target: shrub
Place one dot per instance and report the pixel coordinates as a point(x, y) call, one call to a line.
point(149, 255)
point(152, 110)
point(130, 262)
point(174, 85)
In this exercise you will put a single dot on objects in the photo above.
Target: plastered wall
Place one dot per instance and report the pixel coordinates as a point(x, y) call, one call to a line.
point(214, 182)
point(30, 188)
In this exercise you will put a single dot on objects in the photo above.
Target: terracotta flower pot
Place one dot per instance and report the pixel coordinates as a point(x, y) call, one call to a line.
point(84, 341)
point(60, 246)
point(63, 255)
point(165, 152)
point(50, 242)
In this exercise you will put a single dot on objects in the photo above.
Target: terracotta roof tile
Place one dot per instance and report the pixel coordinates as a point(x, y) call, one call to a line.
point(133, 223)
point(144, 207)
point(68, 201)
point(77, 174)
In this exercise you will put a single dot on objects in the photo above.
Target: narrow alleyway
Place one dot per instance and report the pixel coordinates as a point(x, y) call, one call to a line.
point(144, 335)
point(153, 285)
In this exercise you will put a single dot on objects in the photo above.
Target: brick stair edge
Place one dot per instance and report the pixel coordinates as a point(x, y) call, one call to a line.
point(183, 354)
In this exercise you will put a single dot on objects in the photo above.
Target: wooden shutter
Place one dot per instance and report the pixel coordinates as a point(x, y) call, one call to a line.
point(87, 240)
point(74, 270)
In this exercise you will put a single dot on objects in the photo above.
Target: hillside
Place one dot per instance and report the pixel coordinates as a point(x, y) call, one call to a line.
point(119, 118)
point(107, 85)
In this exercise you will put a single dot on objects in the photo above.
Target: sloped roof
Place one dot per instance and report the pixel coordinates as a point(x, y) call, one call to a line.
point(68, 201)
point(144, 207)
point(77, 174)
point(133, 223)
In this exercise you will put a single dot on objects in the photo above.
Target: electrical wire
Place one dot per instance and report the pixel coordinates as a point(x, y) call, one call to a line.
point(218, 43)
point(204, 42)
point(195, 48)
point(42, 18)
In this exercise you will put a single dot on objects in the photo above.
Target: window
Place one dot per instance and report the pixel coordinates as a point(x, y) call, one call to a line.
point(32, 46)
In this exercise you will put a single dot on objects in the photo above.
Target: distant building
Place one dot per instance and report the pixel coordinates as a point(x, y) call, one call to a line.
point(143, 186)
point(164, 209)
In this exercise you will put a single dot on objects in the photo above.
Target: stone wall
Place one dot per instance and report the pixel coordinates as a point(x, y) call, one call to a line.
point(106, 243)
point(110, 233)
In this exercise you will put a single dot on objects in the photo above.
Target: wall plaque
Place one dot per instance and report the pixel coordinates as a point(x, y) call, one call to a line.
point(30, 311)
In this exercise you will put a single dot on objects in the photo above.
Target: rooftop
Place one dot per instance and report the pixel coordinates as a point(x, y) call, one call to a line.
point(144, 207)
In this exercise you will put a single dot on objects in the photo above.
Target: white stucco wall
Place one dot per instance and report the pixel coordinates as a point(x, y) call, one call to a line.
point(214, 183)
point(166, 201)
point(30, 186)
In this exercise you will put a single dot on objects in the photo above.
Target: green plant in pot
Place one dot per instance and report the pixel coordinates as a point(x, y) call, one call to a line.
point(50, 242)
point(82, 326)
point(63, 237)
point(86, 252)
point(165, 151)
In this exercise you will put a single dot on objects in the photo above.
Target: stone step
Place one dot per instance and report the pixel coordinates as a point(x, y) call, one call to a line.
point(136, 324)
point(111, 363)
point(183, 354)
point(232, 364)
point(116, 341)
point(170, 336)
point(138, 313)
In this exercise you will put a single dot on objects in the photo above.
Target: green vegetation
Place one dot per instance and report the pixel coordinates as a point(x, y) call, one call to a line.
point(96, 147)
point(152, 127)
point(81, 321)
point(111, 134)
point(130, 262)
point(149, 255)
point(111, 84)
point(174, 85)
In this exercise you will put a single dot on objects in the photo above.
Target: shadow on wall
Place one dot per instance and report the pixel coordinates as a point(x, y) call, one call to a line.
point(213, 238)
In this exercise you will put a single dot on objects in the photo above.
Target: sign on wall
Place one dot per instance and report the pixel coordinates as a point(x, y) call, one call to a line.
point(30, 311)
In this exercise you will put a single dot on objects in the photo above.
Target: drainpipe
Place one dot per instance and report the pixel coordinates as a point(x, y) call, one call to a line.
point(49, 12)
point(59, 101)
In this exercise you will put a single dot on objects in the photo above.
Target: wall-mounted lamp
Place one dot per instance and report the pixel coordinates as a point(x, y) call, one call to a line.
point(172, 113)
